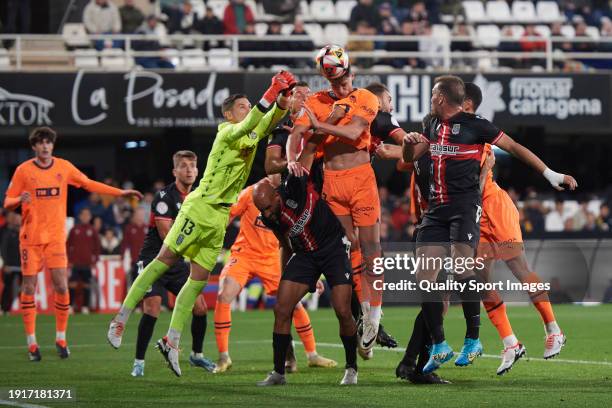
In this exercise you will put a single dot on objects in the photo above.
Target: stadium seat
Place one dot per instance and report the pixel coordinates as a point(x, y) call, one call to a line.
point(193, 59)
point(5, 61)
point(323, 10)
point(440, 31)
point(548, 11)
point(337, 34)
point(287, 29)
point(543, 30)
point(568, 31)
point(382, 68)
point(172, 55)
point(115, 58)
point(523, 11)
point(474, 11)
point(498, 11)
point(86, 58)
point(517, 31)
point(593, 32)
point(218, 7)
point(75, 36)
point(199, 8)
point(315, 31)
point(220, 58)
point(344, 8)
point(261, 29)
point(304, 11)
point(488, 35)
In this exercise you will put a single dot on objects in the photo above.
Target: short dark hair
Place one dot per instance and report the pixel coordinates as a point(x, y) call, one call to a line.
point(377, 88)
point(301, 83)
point(183, 154)
point(228, 103)
point(42, 133)
point(474, 94)
point(452, 87)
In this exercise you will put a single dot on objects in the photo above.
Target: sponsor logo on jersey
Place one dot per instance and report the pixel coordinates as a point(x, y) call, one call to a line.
point(298, 227)
point(47, 192)
point(439, 150)
point(180, 239)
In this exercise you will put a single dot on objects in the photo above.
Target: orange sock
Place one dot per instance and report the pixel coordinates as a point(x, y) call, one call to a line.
point(357, 265)
point(28, 311)
point(497, 314)
point(546, 311)
point(301, 321)
point(62, 310)
point(223, 325)
point(540, 300)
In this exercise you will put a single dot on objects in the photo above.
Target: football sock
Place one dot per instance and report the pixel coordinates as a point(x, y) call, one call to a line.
point(145, 332)
point(470, 301)
point(143, 282)
point(498, 316)
point(184, 303)
point(62, 309)
point(28, 311)
point(357, 265)
point(198, 331)
point(280, 342)
point(223, 325)
point(301, 321)
point(418, 336)
point(350, 350)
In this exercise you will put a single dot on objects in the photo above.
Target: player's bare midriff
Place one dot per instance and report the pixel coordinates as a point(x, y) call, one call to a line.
point(341, 156)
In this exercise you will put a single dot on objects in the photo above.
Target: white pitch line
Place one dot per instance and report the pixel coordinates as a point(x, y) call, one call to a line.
point(20, 404)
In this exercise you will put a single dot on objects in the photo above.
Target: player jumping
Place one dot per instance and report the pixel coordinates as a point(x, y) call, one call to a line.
point(40, 187)
point(199, 228)
point(164, 209)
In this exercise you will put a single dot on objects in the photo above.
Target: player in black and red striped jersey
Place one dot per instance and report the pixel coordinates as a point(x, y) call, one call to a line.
point(456, 141)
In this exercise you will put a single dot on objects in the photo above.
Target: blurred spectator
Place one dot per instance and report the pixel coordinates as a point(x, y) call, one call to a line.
point(363, 28)
point(607, 297)
point(366, 11)
point(579, 219)
point(150, 28)
point(182, 20)
point(102, 17)
point(604, 221)
point(145, 204)
point(591, 223)
point(557, 294)
point(407, 29)
point(159, 184)
point(385, 198)
point(210, 23)
point(418, 13)
point(282, 8)
point(122, 211)
point(131, 17)
point(301, 45)
point(587, 45)
point(430, 45)
point(98, 225)
point(555, 219)
point(461, 30)
point(236, 17)
point(134, 235)
point(385, 15)
point(9, 251)
point(110, 243)
point(94, 203)
point(555, 31)
point(508, 45)
point(18, 17)
point(400, 216)
point(83, 249)
point(274, 29)
point(530, 44)
point(534, 215)
point(251, 45)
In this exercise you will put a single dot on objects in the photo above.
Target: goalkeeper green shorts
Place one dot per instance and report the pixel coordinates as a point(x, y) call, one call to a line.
point(198, 232)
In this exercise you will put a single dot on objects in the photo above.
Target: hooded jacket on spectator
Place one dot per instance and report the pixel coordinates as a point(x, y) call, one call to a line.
point(103, 18)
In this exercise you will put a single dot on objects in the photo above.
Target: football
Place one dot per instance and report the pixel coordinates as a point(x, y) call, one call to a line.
point(332, 61)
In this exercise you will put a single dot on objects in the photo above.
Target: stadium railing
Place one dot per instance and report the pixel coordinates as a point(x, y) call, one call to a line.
point(439, 54)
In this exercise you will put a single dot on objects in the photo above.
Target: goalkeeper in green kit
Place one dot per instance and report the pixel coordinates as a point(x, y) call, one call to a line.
point(199, 228)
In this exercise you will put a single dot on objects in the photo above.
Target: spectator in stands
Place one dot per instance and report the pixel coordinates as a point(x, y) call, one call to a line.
point(131, 17)
point(83, 249)
point(210, 23)
point(557, 294)
point(150, 28)
point(606, 34)
point(591, 223)
point(461, 30)
point(134, 235)
point(400, 216)
point(604, 221)
point(363, 28)
point(534, 214)
point(607, 297)
point(109, 242)
point(182, 20)
point(583, 46)
point(286, 9)
point(430, 45)
point(98, 225)
point(9, 251)
point(418, 13)
point(555, 219)
point(555, 31)
point(122, 211)
point(407, 29)
point(508, 45)
point(236, 17)
point(529, 43)
point(385, 15)
point(366, 11)
point(145, 204)
point(102, 17)
point(274, 29)
point(579, 219)
point(18, 18)
point(301, 45)
point(251, 46)
point(94, 203)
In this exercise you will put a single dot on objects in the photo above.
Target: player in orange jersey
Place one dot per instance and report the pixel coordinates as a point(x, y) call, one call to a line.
point(349, 184)
point(501, 239)
point(40, 187)
point(256, 253)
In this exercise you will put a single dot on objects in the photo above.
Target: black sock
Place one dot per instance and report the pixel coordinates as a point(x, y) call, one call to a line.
point(86, 296)
point(350, 350)
point(280, 342)
point(145, 331)
point(470, 301)
point(423, 356)
point(433, 317)
point(355, 306)
point(71, 291)
point(198, 331)
point(419, 335)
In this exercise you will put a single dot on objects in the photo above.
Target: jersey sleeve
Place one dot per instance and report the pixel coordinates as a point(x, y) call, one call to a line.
point(162, 206)
point(17, 184)
point(263, 128)
point(426, 122)
point(384, 125)
point(78, 179)
point(245, 127)
point(278, 138)
point(487, 131)
point(295, 191)
point(240, 206)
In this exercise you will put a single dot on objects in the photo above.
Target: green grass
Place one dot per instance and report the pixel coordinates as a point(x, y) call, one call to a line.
point(101, 375)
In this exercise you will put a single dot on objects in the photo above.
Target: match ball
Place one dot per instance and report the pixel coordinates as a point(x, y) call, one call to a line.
point(332, 61)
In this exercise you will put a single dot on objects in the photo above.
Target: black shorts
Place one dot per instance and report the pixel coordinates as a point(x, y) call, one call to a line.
point(307, 267)
point(172, 281)
point(80, 274)
point(458, 222)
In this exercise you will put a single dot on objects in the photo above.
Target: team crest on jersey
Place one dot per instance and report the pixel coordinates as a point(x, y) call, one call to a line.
point(353, 98)
point(253, 135)
point(292, 204)
point(178, 206)
point(58, 176)
point(456, 128)
point(179, 239)
point(161, 207)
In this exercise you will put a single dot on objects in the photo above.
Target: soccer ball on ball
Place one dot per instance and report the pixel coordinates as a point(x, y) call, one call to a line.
point(332, 61)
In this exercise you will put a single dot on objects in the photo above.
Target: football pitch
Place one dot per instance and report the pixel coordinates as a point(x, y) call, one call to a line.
point(581, 376)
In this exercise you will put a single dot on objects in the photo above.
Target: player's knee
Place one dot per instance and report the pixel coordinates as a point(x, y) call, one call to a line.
point(152, 306)
point(282, 313)
point(343, 313)
point(200, 308)
point(28, 288)
point(60, 287)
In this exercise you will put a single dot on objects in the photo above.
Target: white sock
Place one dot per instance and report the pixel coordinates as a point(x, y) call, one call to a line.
point(311, 354)
point(552, 328)
point(31, 339)
point(174, 337)
point(365, 308)
point(224, 355)
point(123, 315)
point(60, 336)
point(197, 355)
point(510, 341)
point(137, 361)
point(375, 314)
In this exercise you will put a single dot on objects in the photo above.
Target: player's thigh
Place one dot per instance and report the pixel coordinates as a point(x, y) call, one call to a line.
point(336, 267)
point(59, 278)
point(464, 224)
point(505, 228)
point(234, 276)
point(364, 201)
point(211, 227)
point(151, 305)
point(270, 274)
point(54, 254)
point(182, 238)
point(288, 295)
point(335, 196)
point(302, 269)
point(350, 230)
point(430, 259)
point(31, 259)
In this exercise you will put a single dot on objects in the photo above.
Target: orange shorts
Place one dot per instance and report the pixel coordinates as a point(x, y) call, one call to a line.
point(243, 268)
point(353, 192)
point(35, 257)
point(500, 230)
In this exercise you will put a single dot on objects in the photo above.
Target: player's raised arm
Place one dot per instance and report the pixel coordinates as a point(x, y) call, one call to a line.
point(275, 162)
point(78, 179)
point(351, 130)
point(414, 145)
point(522, 153)
point(293, 147)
